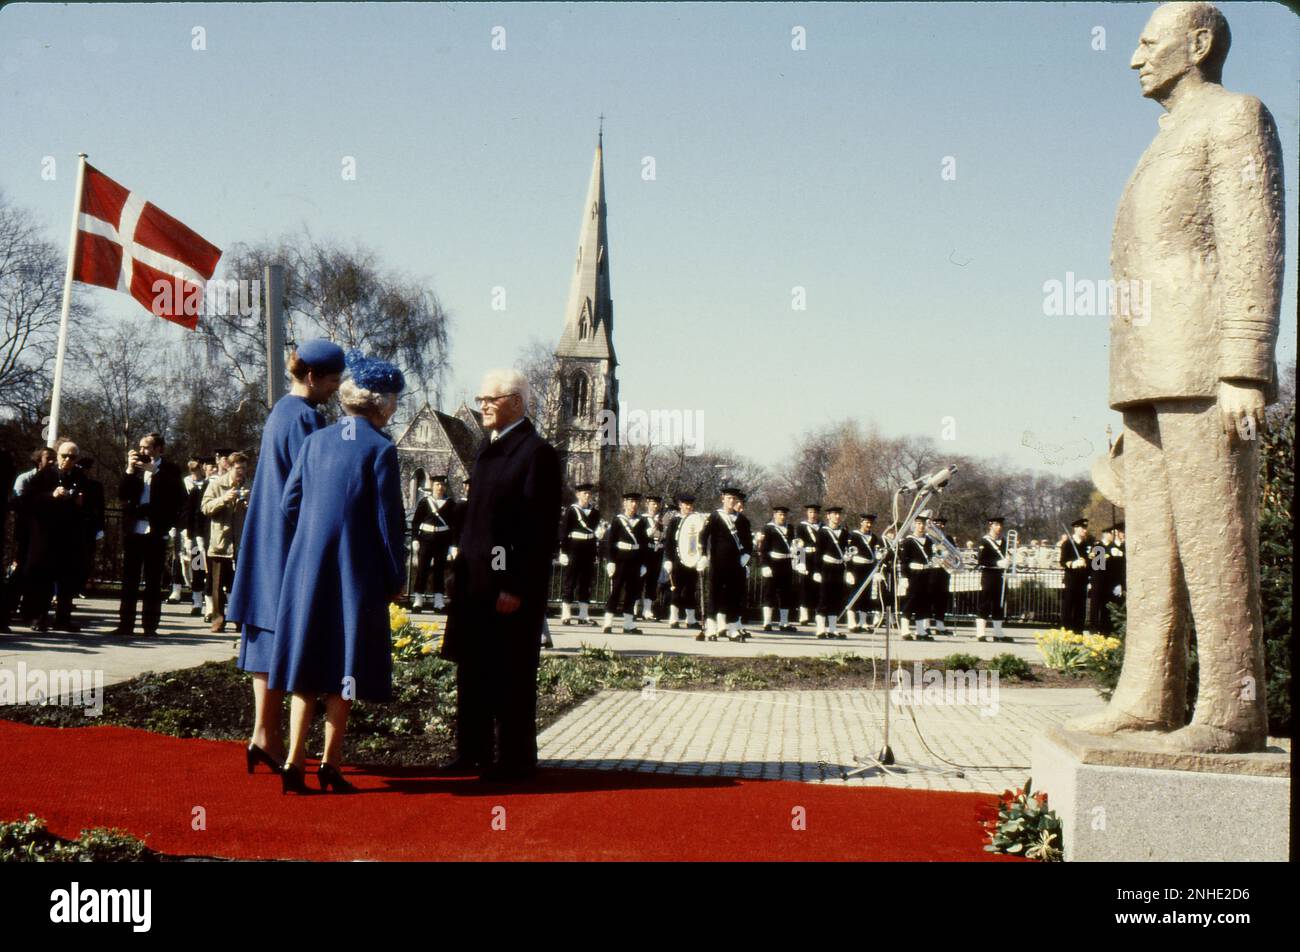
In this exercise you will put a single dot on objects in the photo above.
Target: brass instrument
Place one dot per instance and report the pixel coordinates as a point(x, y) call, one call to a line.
point(1013, 544)
point(946, 554)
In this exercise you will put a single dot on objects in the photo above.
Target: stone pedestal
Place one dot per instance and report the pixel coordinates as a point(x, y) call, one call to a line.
point(1119, 801)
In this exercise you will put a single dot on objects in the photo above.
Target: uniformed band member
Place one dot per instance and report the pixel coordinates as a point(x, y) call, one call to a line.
point(914, 559)
point(684, 582)
point(833, 566)
point(1074, 560)
point(940, 585)
point(867, 543)
point(888, 608)
point(431, 528)
point(806, 534)
point(1101, 581)
point(776, 556)
point(654, 531)
point(726, 544)
point(579, 539)
point(993, 563)
point(625, 545)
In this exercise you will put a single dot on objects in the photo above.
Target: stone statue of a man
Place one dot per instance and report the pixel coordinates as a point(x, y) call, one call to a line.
point(1192, 371)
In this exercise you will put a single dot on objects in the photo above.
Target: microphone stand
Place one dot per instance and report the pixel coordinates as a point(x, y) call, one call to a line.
point(884, 761)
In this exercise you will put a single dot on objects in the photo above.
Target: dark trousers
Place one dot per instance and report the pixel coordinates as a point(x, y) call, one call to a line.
point(496, 685)
point(579, 572)
point(686, 587)
point(832, 598)
point(809, 591)
point(991, 607)
point(726, 591)
point(917, 603)
point(143, 556)
point(61, 575)
point(778, 591)
point(940, 584)
point(1074, 599)
point(1099, 605)
point(221, 574)
point(625, 587)
point(650, 581)
point(431, 565)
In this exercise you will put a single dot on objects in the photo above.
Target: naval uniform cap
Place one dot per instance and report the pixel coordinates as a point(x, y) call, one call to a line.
point(584, 487)
point(868, 515)
point(731, 491)
point(1079, 524)
point(812, 505)
point(323, 355)
point(781, 509)
point(654, 498)
point(440, 478)
point(631, 495)
point(998, 519)
point(686, 497)
point(830, 509)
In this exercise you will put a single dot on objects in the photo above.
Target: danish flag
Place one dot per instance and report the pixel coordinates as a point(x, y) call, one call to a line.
point(130, 245)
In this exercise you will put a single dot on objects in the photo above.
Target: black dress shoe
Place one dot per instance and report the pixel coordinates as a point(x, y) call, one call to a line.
point(700, 636)
point(292, 780)
point(254, 755)
point(331, 780)
point(118, 633)
point(66, 624)
point(195, 611)
point(789, 627)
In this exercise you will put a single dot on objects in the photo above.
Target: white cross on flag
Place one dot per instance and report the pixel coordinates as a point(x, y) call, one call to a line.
point(130, 245)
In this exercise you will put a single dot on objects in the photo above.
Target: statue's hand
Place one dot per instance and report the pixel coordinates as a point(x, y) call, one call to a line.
point(1239, 403)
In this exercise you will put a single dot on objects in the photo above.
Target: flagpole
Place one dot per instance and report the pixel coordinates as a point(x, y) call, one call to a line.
point(67, 302)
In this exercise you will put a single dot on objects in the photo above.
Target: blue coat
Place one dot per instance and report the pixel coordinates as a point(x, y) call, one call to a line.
point(346, 563)
point(264, 545)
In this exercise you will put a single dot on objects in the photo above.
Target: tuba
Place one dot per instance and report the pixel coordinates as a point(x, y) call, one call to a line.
point(946, 554)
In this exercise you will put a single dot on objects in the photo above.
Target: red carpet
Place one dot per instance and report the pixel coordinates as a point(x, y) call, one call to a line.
point(149, 785)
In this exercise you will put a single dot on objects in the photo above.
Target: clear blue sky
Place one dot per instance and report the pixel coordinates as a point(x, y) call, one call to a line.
point(775, 168)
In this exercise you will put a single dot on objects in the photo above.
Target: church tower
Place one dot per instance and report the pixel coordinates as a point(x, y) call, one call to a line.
point(584, 383)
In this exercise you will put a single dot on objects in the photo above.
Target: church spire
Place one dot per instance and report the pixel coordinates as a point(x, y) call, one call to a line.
point(589, 314)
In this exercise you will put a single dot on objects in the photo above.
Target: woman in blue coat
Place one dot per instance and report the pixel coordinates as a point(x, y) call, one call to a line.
point(346, 563)
point(317, 369)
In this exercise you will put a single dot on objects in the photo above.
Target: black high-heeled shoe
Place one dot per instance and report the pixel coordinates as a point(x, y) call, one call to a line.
point(329, 777)
point(254, 755)
point(293, 780)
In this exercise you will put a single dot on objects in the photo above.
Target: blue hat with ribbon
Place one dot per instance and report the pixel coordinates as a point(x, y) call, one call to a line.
point(323, 355)
point(373, 374)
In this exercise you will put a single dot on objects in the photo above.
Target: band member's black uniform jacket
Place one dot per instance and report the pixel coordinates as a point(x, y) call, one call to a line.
point(625, 545)
point(579, 544)
point(833, 560)
point(864, 563)
point(776, 552)
point(916, 549)
point(685, 582)
point(728, 548)
point(431, 532)
point(990, 553)
point(1074, 595)
point(654, 554)
point(807, 533)
point(1102, 588)
point(507, 541)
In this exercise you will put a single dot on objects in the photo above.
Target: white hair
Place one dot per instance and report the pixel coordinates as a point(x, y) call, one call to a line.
point(507, 380)
point(359, 401)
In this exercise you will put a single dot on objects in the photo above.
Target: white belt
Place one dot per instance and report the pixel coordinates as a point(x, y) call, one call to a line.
point(779, 555)
point(832, 560)
point(582, 535)
point(628, 546)
point(430, 527)
point(862, 560)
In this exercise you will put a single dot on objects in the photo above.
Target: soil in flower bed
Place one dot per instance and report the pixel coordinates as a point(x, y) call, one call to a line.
point(214, 700)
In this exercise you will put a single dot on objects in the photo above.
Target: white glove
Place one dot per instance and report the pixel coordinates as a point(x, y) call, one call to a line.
point(916, 566)
point(744, 559)
point(801, 571)
point(767, 571)
point(702, 564)
point(817, 576)
point(1003, 563)
point(642, 572)
point(600, 531)
point(850, 578)
point(1118, 553)
point(609, 569)
point(1119, 591)
point(564, 558)
point(1078, 563)
point(453, 552)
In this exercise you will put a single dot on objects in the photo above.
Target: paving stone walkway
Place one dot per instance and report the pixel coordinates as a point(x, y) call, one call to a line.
point(812, 735)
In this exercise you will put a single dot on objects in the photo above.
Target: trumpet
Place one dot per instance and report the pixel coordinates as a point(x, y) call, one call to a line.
point(946, 554)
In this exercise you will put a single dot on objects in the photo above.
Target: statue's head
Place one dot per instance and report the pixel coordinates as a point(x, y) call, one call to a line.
point(1181, 40)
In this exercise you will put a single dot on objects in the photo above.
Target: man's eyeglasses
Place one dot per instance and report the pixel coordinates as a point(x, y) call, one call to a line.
point(500, 396)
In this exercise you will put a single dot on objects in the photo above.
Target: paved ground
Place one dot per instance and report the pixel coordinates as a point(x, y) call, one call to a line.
point(812, 735)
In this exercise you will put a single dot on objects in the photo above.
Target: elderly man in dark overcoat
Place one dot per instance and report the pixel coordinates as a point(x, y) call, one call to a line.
point(502, 577)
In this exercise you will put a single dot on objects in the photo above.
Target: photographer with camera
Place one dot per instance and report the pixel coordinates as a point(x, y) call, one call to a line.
point(225, 503)
point(151, 494)
point(56, 499)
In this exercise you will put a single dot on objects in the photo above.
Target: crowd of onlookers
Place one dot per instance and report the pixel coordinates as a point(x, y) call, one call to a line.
point(182, 528)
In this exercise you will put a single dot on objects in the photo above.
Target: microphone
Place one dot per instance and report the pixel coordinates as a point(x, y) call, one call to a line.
point(932, 483)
